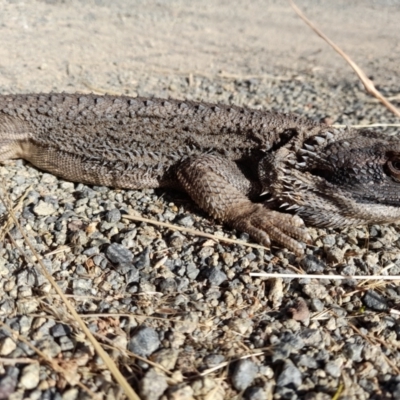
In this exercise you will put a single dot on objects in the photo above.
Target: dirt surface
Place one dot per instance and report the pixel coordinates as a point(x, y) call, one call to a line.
point(73, 45)
point(187, 303)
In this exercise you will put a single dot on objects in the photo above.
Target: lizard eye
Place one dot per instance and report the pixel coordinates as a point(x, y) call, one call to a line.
point(394, 168)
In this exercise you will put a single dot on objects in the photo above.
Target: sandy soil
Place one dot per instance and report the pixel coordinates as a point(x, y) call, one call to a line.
point(78, 45)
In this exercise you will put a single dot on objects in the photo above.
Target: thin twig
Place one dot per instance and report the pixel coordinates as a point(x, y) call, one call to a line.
point(334, 277)
point(367, 126)
point(193, 231)
point(20, 360)
point(225, 363)
point(368, 84)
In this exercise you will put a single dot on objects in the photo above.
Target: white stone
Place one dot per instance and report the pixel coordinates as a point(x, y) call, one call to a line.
point(7, 346)
point(30, 376)
point(43, 208)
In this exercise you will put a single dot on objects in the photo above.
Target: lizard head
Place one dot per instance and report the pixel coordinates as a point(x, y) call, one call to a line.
point(337, 178)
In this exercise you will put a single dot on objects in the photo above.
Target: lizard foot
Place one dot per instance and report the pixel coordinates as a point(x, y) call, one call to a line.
point(264, 225)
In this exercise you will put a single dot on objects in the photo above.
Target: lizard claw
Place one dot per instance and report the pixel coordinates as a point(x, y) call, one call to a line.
point(264, 225)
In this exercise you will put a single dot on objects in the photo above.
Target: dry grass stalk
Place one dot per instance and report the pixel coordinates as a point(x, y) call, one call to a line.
point(19, 360)
point(225, 363)
point(193, 231)
point(333, 277)
point(368, 84)
point(339, 392)
point(362, 126)
point(366, 285)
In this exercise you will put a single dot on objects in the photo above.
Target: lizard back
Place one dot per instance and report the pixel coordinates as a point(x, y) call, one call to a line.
point(121, 133)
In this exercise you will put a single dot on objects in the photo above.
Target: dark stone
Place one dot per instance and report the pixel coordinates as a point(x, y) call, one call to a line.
point(255, 393)
point(375, 301)
point(353, 351)
point(113, 215)
point(144, 342)
point(119, 254)
point(312, 264)
point(143, 259)
point(60, 330)
point(290, 376)
point(288, 344)
point(215, 276)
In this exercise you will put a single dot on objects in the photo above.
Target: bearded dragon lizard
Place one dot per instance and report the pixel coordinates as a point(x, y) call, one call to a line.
point(260, 172)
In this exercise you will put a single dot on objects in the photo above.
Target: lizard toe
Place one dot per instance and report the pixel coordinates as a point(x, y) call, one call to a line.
point(264, 225)
point(281, 237)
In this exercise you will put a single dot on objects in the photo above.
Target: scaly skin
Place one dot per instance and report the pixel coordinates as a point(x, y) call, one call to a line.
point(244, 167)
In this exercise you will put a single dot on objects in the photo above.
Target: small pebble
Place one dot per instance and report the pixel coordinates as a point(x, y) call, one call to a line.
point(153, 385)
point(44, 209)
point(119, 254)
point(113, 216)
point(335, 255)
point(186, 221)
point(144, 342)
point(213, 360)
point(333, 368)
point(30, 376)
point(181, 393)
point(289, 376)
point(60, 330)
point(353, 351)
point(375, 301)
point(7, 346)
point(216, 276)
point(312, 264)
point(243, 374)
point(166, 358)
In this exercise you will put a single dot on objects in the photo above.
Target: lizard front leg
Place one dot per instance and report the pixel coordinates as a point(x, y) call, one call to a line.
point(220, 188)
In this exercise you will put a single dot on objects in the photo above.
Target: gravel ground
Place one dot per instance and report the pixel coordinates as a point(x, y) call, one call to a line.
point(184, 303)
